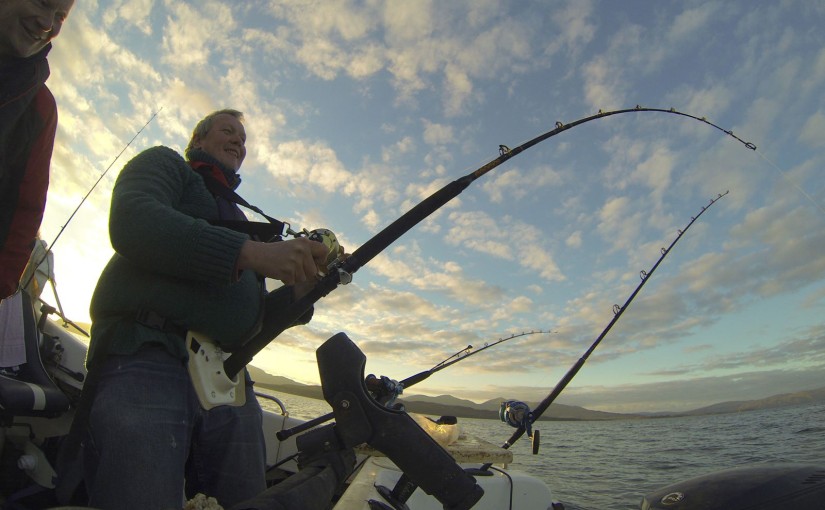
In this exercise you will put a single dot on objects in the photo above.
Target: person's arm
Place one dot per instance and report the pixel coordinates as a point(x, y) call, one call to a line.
point(31, 200)
point(157, 221)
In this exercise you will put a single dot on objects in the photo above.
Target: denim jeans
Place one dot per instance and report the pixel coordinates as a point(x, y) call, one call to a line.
point(148, 436)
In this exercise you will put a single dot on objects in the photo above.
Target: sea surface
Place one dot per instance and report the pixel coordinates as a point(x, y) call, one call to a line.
point(594, 465)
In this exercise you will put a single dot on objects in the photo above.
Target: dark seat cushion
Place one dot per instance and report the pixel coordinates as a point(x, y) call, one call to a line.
point(31, 392)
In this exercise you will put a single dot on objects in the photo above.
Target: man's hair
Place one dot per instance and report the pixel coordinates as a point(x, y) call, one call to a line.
point(205, 124)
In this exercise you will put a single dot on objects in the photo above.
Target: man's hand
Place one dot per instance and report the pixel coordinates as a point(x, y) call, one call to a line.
point(292, 262)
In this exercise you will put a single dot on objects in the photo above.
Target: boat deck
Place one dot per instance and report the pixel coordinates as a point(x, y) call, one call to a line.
point(465, 450)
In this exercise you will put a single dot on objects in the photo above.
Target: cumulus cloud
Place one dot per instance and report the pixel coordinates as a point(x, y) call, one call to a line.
point(298, 163)
point(358, 111)
point(130, 13)
point(812, 130)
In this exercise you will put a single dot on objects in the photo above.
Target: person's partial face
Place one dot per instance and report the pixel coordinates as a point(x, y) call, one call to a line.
point(27, 26)
point(225, 141)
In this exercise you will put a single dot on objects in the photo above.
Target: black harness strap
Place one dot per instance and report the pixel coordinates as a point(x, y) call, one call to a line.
point(257, 230)
point(266, 232)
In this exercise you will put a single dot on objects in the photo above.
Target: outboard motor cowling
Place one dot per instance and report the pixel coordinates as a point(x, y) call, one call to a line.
point(756, 487)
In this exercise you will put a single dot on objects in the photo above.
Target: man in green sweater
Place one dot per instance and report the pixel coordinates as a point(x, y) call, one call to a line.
point(174, 270)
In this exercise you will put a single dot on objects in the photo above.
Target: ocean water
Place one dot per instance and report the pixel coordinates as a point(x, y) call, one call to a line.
point(612, 465)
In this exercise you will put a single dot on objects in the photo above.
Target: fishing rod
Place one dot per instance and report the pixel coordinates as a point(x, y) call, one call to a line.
point(387, 390)
point(463, 352)
point(530, 417)
point(468, 351)
point(276, 321)
point(86, 196)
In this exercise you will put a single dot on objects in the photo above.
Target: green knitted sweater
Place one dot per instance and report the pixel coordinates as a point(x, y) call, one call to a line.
point(170, 260)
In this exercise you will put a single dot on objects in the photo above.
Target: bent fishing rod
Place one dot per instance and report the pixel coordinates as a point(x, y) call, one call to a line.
point(462, 355)
point(532, 417)
point(276, 321)
point(389, 389)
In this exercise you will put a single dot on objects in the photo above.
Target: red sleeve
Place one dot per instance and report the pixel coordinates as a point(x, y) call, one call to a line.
point(32, 198)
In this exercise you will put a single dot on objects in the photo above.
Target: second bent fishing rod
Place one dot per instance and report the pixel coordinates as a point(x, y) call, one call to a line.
point(397, 388)
point(617, 313)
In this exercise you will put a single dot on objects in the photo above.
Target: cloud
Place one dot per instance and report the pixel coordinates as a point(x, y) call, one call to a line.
point(421, 47)
point(437, 134)
point(184, 34)
point(574, 22)
point(602, 85)
point(574, 240)
point(301, 164)
point(619, 223)
point(406, 23)
point(471, 231)
point(691, 22)
point(130, 13)
point(812, 129)
point(405, 264)
point(714, 100)
point(515, 184)
point(357, 111)
point(398, 326)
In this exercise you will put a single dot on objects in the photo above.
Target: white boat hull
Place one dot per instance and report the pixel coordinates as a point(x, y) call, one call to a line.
point(527, 492)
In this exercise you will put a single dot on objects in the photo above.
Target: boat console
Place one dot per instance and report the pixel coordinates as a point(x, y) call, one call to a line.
point(360, 419)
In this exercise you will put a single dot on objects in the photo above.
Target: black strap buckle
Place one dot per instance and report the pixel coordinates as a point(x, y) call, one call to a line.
point(154, 320)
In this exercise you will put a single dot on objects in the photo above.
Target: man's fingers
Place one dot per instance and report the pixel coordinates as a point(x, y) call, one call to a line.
point(312, 261)
point(319, 252)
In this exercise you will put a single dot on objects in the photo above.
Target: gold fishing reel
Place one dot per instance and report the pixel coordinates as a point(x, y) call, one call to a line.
point(335, 253)
point(326, 237)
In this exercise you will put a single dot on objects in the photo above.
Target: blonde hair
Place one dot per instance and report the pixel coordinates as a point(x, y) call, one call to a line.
point(205, 124)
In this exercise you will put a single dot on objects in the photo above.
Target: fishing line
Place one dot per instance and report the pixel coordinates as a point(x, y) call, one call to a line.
point(532, 417)
point(792, 183)
point(86, 196)
point(459, 354)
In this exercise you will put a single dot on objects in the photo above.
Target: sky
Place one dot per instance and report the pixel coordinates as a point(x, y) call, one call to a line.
point(358, 110)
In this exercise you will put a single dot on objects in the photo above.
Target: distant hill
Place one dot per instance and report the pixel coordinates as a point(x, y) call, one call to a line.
point(782, 400)
point(447, 405)
point(444, 405)
point(276, 383)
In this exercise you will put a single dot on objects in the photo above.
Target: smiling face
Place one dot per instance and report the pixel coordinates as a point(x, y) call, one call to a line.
point(27, 26)
point(225, 141)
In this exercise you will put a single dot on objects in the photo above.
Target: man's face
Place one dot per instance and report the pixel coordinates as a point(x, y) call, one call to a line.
point(225, 141)
point(27, 26)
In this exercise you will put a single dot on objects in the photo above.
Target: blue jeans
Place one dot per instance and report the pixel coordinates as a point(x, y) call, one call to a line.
point(148, 436)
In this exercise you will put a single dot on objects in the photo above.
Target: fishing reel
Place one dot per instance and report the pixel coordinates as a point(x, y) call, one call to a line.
point(518, 414)
point(326, 237)
point(384, 390)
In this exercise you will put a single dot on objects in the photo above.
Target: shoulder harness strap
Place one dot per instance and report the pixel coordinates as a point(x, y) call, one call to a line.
point(266, 232)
